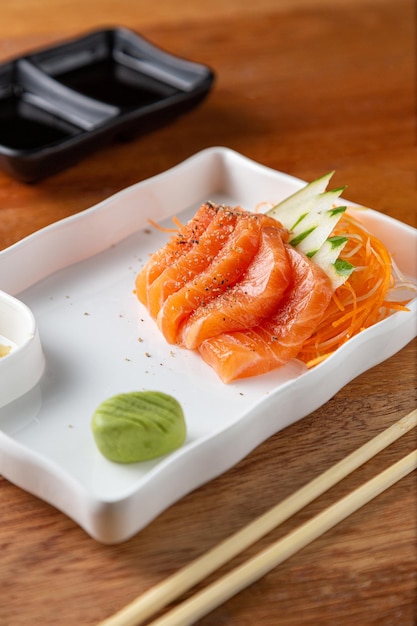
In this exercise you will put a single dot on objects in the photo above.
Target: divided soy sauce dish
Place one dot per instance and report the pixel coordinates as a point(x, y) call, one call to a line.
point(60, 103)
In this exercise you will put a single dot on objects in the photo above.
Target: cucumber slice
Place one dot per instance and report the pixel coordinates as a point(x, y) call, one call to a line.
point(339, 272)
point(299, 201)
point(299, 218)
point(327, 258)
point(310, 215)
point(319, 228)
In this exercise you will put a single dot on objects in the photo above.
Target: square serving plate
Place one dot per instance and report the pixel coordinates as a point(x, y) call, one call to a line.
point(99, 341)
point(60, 103)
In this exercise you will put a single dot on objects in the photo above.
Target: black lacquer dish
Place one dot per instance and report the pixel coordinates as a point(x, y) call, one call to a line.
point(60, 103)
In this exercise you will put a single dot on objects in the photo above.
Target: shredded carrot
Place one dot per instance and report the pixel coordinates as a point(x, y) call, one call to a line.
point(164, 229)
point(177, 222)
point(397, 306)
point(262, 207)
point(317, 360)
point(362, 300)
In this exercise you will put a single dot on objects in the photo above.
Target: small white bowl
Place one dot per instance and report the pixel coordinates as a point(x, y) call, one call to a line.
point(22, 366)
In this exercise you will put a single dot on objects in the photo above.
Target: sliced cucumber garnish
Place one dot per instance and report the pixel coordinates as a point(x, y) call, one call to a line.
point(310, 215)
point(301, 198)
point(327, 258)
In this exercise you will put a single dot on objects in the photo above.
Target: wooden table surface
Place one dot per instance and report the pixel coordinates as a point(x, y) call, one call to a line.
point(303, 86)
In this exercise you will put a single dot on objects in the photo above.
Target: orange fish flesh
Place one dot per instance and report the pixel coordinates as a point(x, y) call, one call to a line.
point(279, 337)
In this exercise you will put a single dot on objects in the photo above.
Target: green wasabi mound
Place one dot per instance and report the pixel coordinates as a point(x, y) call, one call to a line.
point(138, 426)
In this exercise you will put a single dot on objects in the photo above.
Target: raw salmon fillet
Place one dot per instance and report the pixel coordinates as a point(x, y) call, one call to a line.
point(226, 269)
point(221, 274)
point(280, 337)
point(250, 300)
point(194, 261)
point(178, 245)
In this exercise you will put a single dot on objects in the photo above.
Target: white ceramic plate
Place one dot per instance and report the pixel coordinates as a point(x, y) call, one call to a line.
point(77, 277)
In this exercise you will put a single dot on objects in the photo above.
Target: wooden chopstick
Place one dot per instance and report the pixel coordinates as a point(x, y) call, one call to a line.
point(159, 596)
point(225, 587)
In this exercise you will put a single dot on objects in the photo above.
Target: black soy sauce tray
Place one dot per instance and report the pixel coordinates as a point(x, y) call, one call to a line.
point(60, 103)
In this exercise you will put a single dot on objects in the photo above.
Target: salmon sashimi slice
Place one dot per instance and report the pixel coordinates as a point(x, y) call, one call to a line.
point(250, 300)
point(179, 244)
point(278, 338)
point(196, 260)
point(221, 274)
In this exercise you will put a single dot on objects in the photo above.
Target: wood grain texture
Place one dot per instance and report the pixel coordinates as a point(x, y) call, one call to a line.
point(303, 87)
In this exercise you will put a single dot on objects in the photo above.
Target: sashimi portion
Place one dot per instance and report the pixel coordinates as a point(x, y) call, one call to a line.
point(250, 300)
point(222, 273)
point(178, 245)
point(251, 291)
point(194, 261)
point(280, 337)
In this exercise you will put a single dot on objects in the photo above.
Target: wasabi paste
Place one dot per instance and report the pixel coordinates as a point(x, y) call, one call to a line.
point(138, 426)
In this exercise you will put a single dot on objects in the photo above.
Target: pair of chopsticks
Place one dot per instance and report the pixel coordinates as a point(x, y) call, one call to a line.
point(215, 594)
